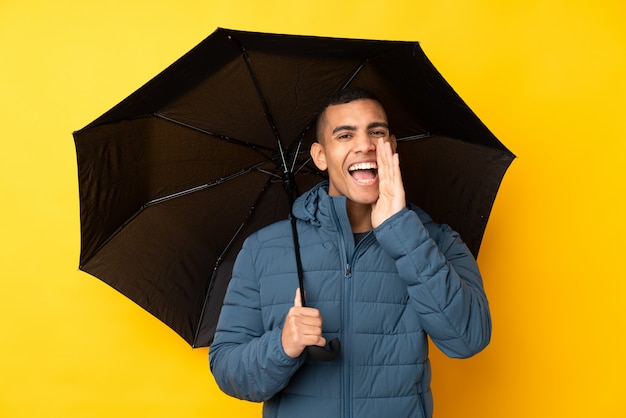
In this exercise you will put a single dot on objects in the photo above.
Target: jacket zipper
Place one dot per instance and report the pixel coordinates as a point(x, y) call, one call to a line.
point(347, 302)
point(348, 260)
point(348, 292)
point(347, 333)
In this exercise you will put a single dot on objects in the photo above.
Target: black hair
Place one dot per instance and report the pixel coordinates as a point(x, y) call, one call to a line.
point(347, 95)
point(343, 96)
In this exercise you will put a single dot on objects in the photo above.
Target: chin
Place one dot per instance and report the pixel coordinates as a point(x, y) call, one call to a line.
point(365, 199)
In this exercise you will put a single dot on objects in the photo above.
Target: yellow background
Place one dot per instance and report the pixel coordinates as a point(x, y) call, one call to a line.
point(546, 76)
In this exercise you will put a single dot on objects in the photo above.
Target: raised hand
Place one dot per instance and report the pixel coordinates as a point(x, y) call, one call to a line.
point(391, 196)
point(303, 327)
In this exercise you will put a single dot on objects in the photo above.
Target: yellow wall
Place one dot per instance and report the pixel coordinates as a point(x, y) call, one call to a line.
point(547, 76)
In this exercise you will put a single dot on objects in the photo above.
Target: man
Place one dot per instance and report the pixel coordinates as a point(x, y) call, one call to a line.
point(378, 273)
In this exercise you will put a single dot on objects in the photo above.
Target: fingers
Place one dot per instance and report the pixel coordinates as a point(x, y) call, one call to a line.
point(388, 162)
point(391, 195)
point(301, 331)
point(303, 327)
point(297, 301)
point(388, 168)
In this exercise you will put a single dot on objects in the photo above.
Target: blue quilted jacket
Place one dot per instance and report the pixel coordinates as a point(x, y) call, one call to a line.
point(406, 279)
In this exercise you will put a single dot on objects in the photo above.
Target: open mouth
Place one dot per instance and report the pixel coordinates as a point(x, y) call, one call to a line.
point(364, 173)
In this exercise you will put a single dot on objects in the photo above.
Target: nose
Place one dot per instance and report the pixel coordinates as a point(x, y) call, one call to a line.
point(365, 143)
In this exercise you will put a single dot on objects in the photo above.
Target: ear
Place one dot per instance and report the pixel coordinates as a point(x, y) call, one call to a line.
point(318, 155)
point(394, 143)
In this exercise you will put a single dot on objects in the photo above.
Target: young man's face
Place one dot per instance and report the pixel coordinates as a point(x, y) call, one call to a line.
point(347, 148)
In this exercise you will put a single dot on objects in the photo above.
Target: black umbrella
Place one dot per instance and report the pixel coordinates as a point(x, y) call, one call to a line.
point(177, 175)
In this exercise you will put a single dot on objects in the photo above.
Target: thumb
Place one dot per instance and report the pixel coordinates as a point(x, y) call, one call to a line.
point(297, 301)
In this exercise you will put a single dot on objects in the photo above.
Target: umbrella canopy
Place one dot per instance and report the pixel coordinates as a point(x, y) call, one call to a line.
point(177, 175)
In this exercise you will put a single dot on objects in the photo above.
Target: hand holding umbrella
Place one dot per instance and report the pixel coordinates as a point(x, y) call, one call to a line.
point(303, 327)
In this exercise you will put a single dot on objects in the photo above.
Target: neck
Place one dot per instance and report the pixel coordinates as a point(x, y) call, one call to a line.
point(360, 216)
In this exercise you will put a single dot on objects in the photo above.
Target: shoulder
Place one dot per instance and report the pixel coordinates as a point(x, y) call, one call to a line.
point(277, 234)
point(278, 230)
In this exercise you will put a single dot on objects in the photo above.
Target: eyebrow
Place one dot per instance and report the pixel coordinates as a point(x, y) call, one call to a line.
point(378, 125)
point(353, 128)
point(344, 128)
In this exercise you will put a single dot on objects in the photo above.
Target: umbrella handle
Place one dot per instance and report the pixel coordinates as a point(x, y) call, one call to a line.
point(323, 354)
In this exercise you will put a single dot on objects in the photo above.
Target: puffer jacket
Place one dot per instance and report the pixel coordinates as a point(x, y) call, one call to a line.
point(406, 279)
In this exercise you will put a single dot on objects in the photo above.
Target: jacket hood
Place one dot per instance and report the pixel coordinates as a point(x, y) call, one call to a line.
point(313, 204)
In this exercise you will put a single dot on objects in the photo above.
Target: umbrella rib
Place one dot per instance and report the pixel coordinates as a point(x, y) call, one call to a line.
point(415, 137)
point(171, 197)
point(295, 157)
point(227, 248)
point(302, 165)
point(312, 121)
point(259, 92)
point(203, 186)
point(226, 138)
point(355, 73)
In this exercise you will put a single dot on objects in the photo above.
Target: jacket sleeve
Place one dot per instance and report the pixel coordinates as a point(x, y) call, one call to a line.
point(247, 361)
point(444, 284)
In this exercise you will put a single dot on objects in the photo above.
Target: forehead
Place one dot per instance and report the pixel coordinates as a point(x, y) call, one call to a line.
point(355, 113)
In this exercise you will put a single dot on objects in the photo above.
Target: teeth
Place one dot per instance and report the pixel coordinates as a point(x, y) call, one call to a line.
point(363, 166)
